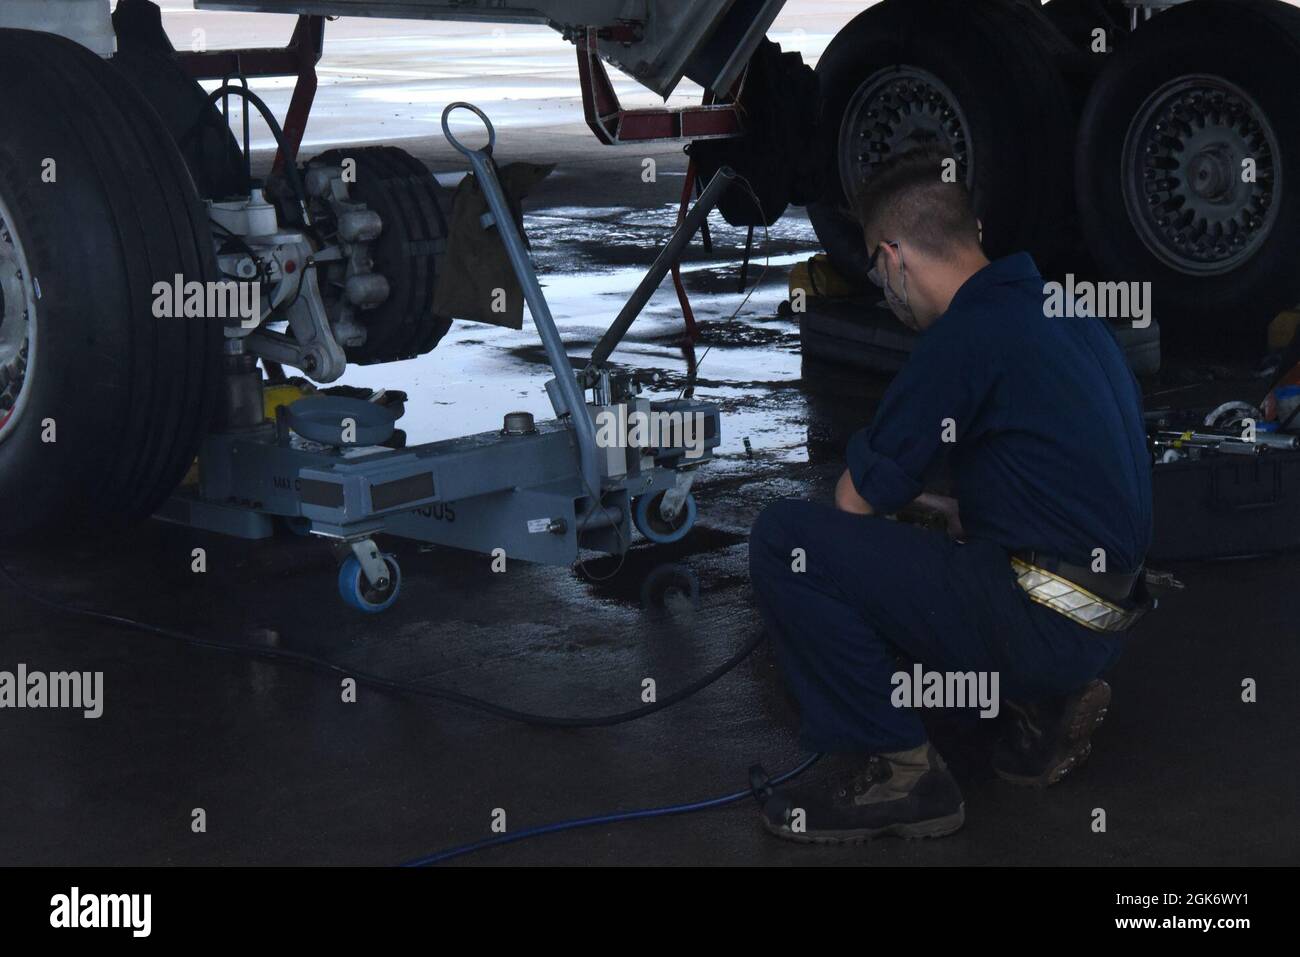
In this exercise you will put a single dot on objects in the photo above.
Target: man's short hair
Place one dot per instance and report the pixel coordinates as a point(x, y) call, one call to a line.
point(906, 199)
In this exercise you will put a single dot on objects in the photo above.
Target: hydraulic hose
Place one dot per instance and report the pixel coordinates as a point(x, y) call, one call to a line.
point(290, 164)
point(617, 817)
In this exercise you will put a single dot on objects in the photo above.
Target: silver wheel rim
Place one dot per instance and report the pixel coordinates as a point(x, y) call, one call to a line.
point(1182, 175)
point(894, 110)
point(17, 326)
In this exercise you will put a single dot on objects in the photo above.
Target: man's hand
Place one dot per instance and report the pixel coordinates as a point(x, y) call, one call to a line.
point(847, 498)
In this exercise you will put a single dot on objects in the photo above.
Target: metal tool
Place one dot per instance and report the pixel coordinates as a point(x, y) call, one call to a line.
point(1229, 442)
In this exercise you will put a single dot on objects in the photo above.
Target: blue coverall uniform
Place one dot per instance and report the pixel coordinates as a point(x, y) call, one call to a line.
point(1049, 454)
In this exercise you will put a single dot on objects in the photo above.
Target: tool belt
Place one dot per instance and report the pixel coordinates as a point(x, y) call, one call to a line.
point(1101, 601)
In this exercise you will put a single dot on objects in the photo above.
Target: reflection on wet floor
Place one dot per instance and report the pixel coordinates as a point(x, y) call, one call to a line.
point(657, 578)
point(588, 262)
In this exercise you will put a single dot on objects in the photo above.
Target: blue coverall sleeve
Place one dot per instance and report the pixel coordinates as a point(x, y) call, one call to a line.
point(935, 398)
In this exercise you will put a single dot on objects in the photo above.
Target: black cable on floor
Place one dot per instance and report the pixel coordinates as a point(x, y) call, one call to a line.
point(288, 656)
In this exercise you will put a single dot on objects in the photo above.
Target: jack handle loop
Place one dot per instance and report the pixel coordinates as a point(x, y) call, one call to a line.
point(451, 138)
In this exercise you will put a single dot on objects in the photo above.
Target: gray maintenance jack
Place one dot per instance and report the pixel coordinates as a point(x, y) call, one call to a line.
point(539, 491)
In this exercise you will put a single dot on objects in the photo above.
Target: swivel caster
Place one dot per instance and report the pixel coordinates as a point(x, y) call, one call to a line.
point(653, 525)
point(361, 594)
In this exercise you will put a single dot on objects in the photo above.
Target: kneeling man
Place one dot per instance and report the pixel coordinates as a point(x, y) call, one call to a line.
point(1039, 421)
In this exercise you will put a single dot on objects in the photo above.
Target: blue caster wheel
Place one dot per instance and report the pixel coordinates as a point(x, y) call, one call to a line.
point(653, 525)
point(363, 596)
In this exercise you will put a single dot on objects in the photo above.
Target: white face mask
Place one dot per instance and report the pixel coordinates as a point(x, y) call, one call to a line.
point(878, 274)
point(898, 304)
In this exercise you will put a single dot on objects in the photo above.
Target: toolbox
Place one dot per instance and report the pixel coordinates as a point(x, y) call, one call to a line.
point(1222, 506)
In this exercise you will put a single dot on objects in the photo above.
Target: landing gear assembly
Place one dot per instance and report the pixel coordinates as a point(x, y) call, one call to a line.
point(110, 390)
point(538, 491)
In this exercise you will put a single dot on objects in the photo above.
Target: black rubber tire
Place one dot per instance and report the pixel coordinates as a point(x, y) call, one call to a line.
point(410, 203)
point(212, 154)
point(1255, 45)
point(130, 395)
point(1005, 64)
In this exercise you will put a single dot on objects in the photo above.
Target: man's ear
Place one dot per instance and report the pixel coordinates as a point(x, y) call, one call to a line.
point(892, 254)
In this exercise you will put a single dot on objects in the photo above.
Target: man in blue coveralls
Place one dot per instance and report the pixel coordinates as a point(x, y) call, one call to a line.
point(1039, 421)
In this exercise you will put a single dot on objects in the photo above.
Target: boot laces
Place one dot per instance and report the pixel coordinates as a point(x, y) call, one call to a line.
point(847, 785)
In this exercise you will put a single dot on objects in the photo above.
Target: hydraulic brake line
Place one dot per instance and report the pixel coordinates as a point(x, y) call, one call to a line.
point(290, 168)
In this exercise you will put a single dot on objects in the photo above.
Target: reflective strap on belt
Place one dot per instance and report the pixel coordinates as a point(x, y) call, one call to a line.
point(1075, 603)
